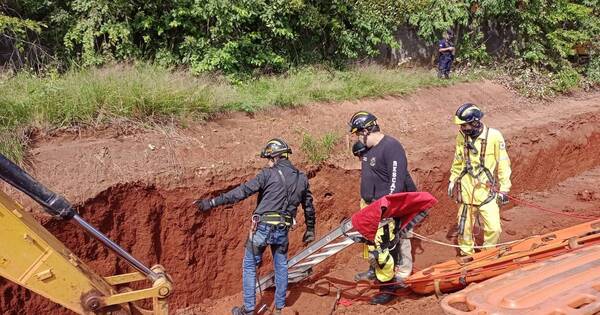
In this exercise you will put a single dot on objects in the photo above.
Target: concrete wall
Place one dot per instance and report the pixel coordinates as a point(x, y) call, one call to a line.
point(413, 50)
point(416, 51)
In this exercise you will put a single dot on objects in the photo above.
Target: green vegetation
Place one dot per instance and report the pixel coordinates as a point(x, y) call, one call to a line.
point(146, 93)
point(12, 145)
point(318, 150)
point(593, 70)
point(238, 37)
point(253, 37)
point(566, 80)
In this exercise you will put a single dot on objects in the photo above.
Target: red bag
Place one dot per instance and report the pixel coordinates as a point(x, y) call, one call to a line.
point(404, 206)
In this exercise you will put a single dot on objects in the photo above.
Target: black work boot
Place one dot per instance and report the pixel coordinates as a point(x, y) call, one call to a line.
point(385, 295)
point(365, 275)
point(240, 310)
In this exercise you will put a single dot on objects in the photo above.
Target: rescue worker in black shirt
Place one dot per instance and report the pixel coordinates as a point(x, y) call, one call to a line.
point(281, 189)
point(383, 171)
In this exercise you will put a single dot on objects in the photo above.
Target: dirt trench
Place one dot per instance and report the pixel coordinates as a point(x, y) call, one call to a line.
point(203, 253)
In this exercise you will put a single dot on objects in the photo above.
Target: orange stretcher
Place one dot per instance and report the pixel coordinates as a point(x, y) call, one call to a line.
point(566, 285)
point(457, 274)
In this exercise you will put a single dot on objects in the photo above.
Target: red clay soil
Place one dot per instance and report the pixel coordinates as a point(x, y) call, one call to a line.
point(143, 184)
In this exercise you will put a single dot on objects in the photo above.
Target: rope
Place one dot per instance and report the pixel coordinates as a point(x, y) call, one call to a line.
point(360, 289)
point(532, 205)
point(426, 239)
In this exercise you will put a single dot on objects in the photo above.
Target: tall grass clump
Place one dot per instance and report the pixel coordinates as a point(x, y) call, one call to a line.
point(316, 150)
point(97, 95)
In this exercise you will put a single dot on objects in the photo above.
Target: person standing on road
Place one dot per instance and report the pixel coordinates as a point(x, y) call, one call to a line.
point(281, 188)
point(479, 151)
point(446, 55)
point(384, 171)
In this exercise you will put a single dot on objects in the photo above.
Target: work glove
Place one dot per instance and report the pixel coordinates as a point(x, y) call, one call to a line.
point(204, 204)
point(503, 198)
point(309, 235)
point(451, 185)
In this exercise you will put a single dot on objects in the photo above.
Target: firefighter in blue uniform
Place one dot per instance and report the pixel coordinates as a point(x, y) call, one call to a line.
point(446, 55)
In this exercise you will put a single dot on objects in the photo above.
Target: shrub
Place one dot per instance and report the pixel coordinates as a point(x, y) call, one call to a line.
point(566, 80)
point(318, 150)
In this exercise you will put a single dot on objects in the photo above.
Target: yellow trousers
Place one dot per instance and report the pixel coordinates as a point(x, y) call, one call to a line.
point(490, 214)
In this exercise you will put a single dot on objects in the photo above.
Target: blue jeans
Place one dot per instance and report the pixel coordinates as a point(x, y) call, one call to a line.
point(264, 235)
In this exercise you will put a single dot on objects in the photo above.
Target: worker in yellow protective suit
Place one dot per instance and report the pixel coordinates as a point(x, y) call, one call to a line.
point(480, 150)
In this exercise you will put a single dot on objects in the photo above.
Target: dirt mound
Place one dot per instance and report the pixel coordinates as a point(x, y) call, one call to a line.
point(143, 193)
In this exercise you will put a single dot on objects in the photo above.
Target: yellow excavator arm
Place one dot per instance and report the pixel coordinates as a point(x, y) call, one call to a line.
point(32, 257)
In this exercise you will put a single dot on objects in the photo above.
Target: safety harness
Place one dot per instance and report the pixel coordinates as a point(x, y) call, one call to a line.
point(469, 169)
point(387, 244)
point(280, 219)
point(275, 218)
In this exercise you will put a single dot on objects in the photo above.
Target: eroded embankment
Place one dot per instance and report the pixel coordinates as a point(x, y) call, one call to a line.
point(203, 253)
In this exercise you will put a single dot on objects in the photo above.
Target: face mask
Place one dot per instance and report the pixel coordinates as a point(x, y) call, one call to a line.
point(474, 132)
point(359, 148)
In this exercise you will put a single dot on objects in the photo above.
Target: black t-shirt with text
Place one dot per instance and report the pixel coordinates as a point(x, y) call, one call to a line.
point(384, 171)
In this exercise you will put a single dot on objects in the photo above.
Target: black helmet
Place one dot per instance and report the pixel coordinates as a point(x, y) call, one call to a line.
point(361, 121)
point(467, 113)
point(275, 148)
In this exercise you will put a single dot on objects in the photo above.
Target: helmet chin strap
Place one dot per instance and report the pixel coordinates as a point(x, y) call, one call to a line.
point(365, 134)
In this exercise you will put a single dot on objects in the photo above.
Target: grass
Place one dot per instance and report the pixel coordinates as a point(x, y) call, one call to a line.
point(318, 150)
point(147, 93)
point(313, 85)
point(12, 145)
